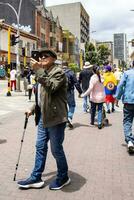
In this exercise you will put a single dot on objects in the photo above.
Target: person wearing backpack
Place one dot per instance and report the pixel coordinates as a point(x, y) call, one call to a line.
point(72, 84)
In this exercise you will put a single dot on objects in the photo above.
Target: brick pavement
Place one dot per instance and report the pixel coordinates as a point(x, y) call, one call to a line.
point(100, 167)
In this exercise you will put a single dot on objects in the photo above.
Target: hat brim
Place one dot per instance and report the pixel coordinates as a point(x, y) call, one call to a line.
point(87, 66)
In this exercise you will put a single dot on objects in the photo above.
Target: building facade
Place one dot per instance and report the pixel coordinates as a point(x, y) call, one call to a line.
point(27, 14)
point(120, 47)
point(27, 41)
point(70, 47)
point(73, 17)
point(48, 29)
point(36, 20)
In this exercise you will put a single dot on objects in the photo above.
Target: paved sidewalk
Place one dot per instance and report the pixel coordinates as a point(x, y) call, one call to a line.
point(99, 166)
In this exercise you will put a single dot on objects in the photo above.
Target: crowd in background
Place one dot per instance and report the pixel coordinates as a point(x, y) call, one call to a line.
point(100, 87)
point(96, 85)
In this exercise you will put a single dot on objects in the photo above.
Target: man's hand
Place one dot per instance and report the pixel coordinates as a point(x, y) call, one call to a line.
point(79, 95)
point(117, 102)
point(82, 95)
point(35, 64)
point(28, 113)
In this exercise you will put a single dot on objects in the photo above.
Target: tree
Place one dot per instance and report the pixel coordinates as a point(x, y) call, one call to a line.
point(97, 55)
point(74, 67)
point(90, 53)
point(103, 53)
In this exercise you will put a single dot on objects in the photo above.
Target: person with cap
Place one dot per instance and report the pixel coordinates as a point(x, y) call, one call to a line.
point(52, 100)
point(72, 83)
point(110, 85)
point(125, 90)
point(84, 79)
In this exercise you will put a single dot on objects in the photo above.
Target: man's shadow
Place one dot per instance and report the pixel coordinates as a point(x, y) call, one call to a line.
point(2, 141)
point(77, 125)
point(77, 181)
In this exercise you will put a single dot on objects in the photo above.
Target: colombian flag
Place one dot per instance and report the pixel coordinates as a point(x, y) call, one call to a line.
point(110, 85)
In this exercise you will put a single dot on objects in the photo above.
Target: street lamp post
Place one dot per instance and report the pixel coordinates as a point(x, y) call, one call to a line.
point(18, 35)
point(91, 34)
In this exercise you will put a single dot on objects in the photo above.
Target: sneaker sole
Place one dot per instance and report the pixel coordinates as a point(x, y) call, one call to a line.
point(34, 185)
point(58, 188)
point(92, 126)
point(131, 149)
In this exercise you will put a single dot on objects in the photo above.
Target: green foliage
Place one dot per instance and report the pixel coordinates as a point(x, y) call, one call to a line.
point(90, 53)
point(103, 54)
point(96, 56)
point(74, 67)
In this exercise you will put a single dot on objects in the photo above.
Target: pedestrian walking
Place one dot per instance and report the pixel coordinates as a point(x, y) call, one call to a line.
point(31, 85)
point(118, 74)
point(110, 84)
point(97, 96)
point(25, 81)
point(72, 83)
point(52, 100)
point(13, 74)
point(84, 79)
point(125, 91)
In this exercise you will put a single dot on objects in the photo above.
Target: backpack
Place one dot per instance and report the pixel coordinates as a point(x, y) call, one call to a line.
point(69, 80)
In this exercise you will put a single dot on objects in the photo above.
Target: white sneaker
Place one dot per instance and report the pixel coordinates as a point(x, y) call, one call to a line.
point(91, 125)
point(130, 147)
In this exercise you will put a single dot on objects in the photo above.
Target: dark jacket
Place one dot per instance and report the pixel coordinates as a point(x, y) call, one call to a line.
point(53, 101)
point(74, 82)
point(84, 78)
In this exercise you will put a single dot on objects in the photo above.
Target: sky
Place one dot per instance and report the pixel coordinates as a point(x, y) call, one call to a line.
point(106, 17)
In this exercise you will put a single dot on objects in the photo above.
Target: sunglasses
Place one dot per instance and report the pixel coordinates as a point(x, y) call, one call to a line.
point(44, 56)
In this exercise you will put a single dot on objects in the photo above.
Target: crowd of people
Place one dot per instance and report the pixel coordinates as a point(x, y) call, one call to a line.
point(54, 88)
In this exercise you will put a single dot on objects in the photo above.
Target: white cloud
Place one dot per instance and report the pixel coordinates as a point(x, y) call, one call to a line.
point(107, 16)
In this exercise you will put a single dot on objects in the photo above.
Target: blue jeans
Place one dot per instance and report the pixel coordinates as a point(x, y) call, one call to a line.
point(93, 111)
point(56, 136)
point(85, 103)
point(128, 111)
point(71, 103)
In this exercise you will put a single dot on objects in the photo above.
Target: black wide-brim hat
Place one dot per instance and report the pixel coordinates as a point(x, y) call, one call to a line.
point(48, 52)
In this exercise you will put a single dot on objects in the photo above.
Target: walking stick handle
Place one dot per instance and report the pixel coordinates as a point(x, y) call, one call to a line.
point(26, 120)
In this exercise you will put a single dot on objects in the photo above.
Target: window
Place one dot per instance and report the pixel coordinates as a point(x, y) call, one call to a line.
point(52, 42)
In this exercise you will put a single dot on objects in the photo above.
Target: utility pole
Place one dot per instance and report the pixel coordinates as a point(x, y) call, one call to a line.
point(81, 59)
point(24, 55)
point(9, 61)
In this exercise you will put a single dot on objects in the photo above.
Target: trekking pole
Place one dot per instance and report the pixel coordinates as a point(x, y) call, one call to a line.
point(22, 139)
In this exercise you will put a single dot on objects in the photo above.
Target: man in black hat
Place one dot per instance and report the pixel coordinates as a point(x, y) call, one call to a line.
point(52, 122)
point(84, 79)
